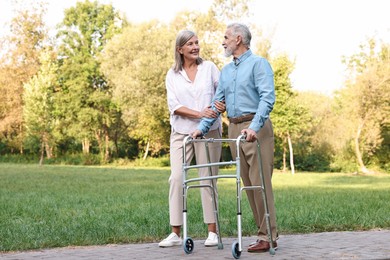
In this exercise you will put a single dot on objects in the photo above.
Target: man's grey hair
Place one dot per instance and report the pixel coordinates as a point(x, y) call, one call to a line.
point(243, 31)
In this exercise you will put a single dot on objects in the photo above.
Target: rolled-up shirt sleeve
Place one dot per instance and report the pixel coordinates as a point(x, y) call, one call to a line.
point(206, 123)
point(173, 102)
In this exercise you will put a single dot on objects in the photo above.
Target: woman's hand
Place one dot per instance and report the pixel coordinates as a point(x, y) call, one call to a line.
point(208, 112)
point(220, 106)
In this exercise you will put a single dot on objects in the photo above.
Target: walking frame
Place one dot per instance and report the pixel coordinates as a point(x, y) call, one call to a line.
point(236, 248)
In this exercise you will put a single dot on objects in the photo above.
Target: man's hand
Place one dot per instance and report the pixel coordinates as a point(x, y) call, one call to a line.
point(250, 135)
point(196, 133)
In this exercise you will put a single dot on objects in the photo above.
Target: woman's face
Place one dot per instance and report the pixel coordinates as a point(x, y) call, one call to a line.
point(190, 50)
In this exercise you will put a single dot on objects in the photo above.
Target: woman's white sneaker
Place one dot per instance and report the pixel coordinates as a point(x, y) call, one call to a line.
point(172, 240)
point(212, 239)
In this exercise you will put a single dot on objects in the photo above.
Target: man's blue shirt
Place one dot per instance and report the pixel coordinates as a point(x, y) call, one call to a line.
point(247, 86)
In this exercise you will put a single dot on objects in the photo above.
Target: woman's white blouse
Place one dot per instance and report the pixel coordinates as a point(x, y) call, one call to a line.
point(197, 95)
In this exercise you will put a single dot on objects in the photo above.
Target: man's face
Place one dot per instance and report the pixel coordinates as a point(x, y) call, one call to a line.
point(229, 43)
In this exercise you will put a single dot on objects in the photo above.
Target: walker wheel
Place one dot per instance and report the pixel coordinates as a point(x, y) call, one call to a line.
point(188, 245)
point(272, 251)
point(235, 252)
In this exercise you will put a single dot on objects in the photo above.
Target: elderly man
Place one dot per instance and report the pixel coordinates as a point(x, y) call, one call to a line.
point(246, 85)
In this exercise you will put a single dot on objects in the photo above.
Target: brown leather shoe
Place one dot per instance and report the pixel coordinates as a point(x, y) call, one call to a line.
point(261, 246)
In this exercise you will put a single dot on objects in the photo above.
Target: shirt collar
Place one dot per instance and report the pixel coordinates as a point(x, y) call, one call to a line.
point(184, 74)
point(241, 58)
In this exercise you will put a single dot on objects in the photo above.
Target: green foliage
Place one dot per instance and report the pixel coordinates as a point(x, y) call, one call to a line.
point(315, 147)
point(365, 100)
point(162, 161)
point(84, 99)
point(141, 93)
point(345, 163)
point(76, 159)
point(288, 115)
point(210, 32)
point(38, 109)
point(65, 159)
point(313, 158)
point(110, 102)
point(382, 155)
point(19, 159)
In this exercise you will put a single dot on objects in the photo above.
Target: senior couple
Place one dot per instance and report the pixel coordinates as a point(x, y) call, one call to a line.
point(197, 94)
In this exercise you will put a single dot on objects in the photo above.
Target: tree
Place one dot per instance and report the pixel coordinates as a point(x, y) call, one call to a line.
point(85, 97)
point(317, 144)
point(148, 118)
point(366, 99)
point(137, 72)
point(19, 61)
point(209, 31)
point(231, 10)
point(289, 117)
point(38, 109)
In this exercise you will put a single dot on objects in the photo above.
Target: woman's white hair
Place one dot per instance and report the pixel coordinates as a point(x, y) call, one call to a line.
point(181, 39)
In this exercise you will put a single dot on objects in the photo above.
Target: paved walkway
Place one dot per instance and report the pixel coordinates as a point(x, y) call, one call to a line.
point(330, 245)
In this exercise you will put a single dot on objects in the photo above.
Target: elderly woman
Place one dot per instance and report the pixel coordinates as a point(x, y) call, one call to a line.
point(191, 84)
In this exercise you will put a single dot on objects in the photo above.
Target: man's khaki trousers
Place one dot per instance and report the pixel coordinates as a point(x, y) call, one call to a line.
point(250, 173)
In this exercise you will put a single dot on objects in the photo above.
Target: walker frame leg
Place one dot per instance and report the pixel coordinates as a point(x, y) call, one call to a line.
point(214, 197)
point(265, 200)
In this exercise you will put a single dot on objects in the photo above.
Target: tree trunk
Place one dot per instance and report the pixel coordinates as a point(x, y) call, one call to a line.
point(146, 151)
point(359, 155)
point(116, 145)
point(284, 157)
point(107, 147)
point(21, 143)
point(284, 153)
point(85, 144)
point(48, 149)
point(100, 142)
point(291, 153)
point(42, 152)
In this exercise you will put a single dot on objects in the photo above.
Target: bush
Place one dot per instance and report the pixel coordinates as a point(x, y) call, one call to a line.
point(340, 164)
point(162, 161)
point(75, 159)
point(312, 163)
point(19, 158)
point(67, 159)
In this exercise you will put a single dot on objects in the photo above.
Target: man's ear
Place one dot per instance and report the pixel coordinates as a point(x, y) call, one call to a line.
point(238, 39)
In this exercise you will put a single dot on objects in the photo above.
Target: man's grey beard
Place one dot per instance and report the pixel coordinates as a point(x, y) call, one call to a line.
point(228, 52)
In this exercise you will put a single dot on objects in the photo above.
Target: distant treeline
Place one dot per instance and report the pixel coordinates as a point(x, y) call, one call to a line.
point(95, 92)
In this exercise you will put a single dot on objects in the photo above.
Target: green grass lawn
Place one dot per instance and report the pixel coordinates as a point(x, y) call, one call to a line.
point(56, 206)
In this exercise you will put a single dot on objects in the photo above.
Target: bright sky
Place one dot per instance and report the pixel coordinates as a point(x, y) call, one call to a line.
point(317, 33)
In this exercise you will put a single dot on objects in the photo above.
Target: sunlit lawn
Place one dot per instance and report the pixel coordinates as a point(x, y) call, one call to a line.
point(55, 206)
